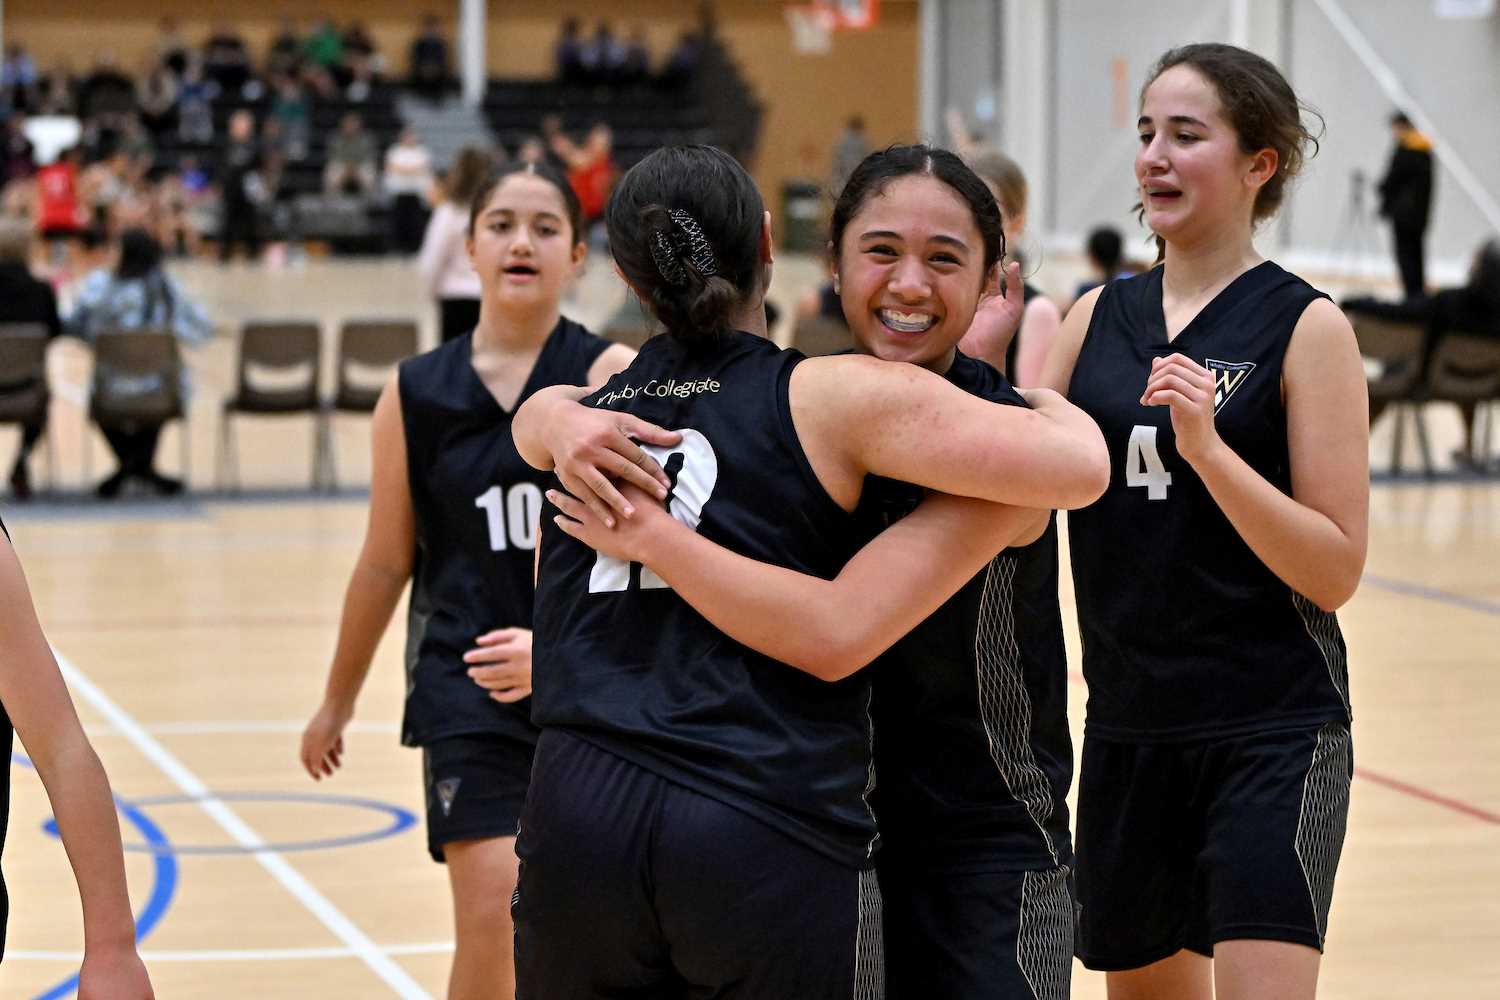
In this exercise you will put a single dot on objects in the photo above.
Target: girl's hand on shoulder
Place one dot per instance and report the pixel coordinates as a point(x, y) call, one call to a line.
point(592, 449)
point(114, 974)
point(1187, 387)
point(628, 540)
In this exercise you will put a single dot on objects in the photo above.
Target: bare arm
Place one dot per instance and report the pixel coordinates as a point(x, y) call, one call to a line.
point(1039, 328)
point(827, 628)
point(615, 359)
point(1315, 539)
point(379, 577)
point(33, 693)
point(1057, 369)
point(855, 416)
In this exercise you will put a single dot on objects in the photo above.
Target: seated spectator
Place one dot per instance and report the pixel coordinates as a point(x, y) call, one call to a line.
point(351, 159)
point(171, 48)
point(1472, 309)
point(23, 299)
point(57, 90)
point(101, 185)
point(18, 79)
point(285, 54)
point(1105, 250)
point(431, 74)
point(682, 62)
point(195, 109)
point(158, 99)
point(17, 154)
point(567, 55)
point(292, 111)
point(408, 180)
point(325, 46)
point(135, 142)
point(361, 83)
point(226, 60)
point(137, 294)
point(106, 93)
point(603, 56)
point(59, 216)
point(635, 66)
point(359, 44)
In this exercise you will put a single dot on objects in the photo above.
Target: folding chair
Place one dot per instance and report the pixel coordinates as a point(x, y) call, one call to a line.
point(368, 351)
point(1465, 368)
point(24, 397)
point(279, 373)
point(1396, 347)
point(137, 381)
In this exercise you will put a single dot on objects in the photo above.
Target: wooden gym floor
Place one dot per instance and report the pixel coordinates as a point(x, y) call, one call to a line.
point(196, 636)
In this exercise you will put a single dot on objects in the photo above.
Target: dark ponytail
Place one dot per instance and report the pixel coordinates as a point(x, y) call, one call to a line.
point(684, 228)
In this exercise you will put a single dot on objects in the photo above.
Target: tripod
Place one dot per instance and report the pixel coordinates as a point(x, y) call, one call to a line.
point(1357, 242)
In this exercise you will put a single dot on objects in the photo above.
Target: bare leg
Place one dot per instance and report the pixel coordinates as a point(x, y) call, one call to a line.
point(1186, 975)
point(1265, 970)
point(482, 874)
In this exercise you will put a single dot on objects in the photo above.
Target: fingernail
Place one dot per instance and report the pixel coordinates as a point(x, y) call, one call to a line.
point(609, 522)
point(629, 510)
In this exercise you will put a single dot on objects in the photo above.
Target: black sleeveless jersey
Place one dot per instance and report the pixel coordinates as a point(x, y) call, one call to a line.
point(625, 663)
point(972, 749)
point(1186, 633)
point(7, 742)
point(476, 503)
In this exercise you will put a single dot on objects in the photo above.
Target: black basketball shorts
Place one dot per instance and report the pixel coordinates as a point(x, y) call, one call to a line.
point(632, 886)
point(1184, 845)
point(476, 786)
point(977, 936)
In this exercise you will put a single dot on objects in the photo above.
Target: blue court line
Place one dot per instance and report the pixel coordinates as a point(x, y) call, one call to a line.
point(1427, 593)
point(163, 884)
point(400, 820)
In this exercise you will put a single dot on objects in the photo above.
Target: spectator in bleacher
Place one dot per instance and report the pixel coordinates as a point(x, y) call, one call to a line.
point(157, 98)
point(171, 48)
point(59, 217)
point(23, 299)
point(430, 70)
point(408, 181)
point(101, 186)
point(241, 188)
point(106, 93)
point(57, 90)
point(359, 44)
point(851, 147)
point(361, 83)
point(444, 259)
point(324, 46)
point(635, 66)
point(603, 56)
point(226, 60)
point(1472, 309)
point(285, 54)
point(18, 79)
point(682, 62)
point(136, 294)
point(195, 109)
point(351, 159)
point(292, 111)
point(17, 154)
point(567, 55)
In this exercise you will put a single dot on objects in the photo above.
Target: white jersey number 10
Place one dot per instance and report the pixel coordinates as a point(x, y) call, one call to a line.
point(696, 469)
point(1143, 464)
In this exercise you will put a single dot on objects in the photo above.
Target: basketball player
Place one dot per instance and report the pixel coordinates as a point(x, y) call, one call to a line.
point(35, 700)
point(699, 813)
point(972, 751)
point(454, 508)
point(1214, 785)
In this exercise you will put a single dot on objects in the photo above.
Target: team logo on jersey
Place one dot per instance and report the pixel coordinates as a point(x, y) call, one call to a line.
point(447, 791)
point(1228, 377)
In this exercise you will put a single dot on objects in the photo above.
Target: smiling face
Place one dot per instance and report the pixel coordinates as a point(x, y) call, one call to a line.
point(522, 245)
point(1193, 177)
point(910, 270)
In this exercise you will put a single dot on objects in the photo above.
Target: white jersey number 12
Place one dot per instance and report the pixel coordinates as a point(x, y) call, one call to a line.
point(1143, 464)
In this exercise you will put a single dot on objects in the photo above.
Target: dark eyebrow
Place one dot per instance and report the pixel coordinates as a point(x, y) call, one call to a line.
point(887, 234)
point(552, 216)
point(1173, 119)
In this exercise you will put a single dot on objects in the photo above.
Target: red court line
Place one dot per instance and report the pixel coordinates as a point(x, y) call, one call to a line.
point(1395, 785)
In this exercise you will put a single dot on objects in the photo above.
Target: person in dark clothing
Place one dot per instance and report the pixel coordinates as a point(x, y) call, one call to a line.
point(1406, 200)
point(430, 74)
point(240, 187)
point(1471, 309)
point(23, 299)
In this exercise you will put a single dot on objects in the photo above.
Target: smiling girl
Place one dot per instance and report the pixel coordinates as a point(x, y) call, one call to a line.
point(454, 509)
point(1214, 786)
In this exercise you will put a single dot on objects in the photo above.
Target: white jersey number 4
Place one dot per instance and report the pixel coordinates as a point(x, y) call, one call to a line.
point(1143, 464)
point(697, 472)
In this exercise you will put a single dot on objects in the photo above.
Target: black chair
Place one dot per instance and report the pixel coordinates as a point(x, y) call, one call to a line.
point(137, 382)
point(368, 351)
point(1465, 368)
point(1396, 347)
point(24, 396)
point(290, 353)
